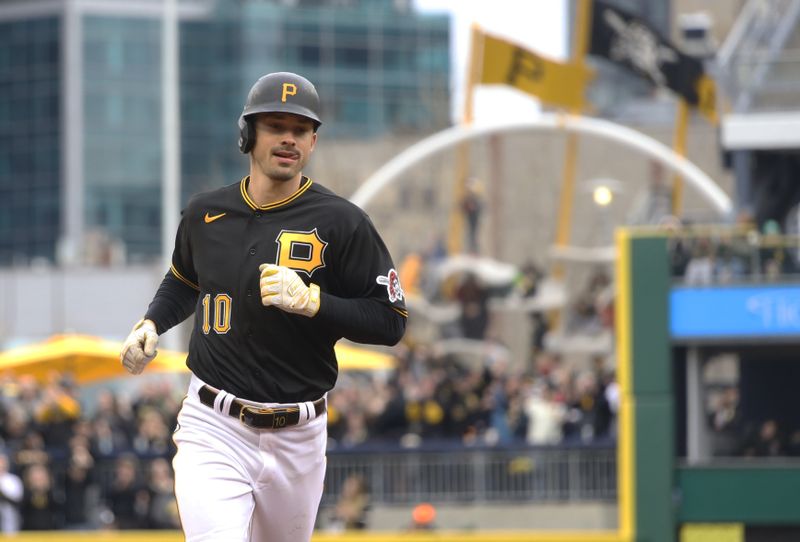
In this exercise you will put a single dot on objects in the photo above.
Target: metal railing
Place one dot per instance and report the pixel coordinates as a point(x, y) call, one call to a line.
point(451, 474)
point(469, 476)
point(729, 255)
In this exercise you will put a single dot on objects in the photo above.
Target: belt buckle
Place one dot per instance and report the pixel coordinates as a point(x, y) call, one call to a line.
point(279, 416)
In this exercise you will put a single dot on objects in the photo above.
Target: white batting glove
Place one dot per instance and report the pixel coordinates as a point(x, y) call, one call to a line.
point(281, 287)
point(139, 348)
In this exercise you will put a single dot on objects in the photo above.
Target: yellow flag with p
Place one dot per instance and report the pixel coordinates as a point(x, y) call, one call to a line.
point(555, 83)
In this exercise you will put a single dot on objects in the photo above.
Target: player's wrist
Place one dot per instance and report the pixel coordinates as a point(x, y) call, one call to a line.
point(146, 324)
point(313, 300)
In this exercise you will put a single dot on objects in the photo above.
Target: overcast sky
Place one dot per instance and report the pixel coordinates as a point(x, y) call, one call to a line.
point(538, 24)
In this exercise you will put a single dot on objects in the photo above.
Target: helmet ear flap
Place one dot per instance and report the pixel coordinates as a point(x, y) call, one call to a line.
point(247, 137)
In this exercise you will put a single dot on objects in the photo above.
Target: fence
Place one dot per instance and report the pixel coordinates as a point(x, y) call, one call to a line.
point(462, 476)
point(457, 475)
point(705, 255)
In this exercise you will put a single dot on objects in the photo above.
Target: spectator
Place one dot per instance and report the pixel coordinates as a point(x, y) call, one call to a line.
point(700, 269)
point(776, 261)
point(656, 202)
point(57, 411)
point(356, 427)
point(767, 442)
point(527, 281)
point(162, 508)
point(108, 410)
point(516, 418)
point(588, 313)
point(729, 266)
point(497, 407)
point(581, 409)
point(539, 329)
point(32, 451)
point(11, 491)
point(42, 507)
point(153, 436)
point(79, 488)
point(474, 301)
point(108, 441)
point(471, 207)
point(603, 410)
point(14, 429)
point(545, 417)
point(352, 506)
point(612, 396)
point(726, 423)
point(126, 498)
point(391, 422)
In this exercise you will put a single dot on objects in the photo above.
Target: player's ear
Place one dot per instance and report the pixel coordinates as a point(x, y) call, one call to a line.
point(313, 142)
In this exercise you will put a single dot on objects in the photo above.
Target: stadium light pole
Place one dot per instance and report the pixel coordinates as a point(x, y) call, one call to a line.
point(170, 135)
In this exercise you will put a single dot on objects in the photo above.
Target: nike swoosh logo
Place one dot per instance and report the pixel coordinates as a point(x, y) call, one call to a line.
point(209, 219)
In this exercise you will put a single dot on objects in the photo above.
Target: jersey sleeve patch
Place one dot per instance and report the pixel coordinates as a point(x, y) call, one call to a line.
point(392, 282)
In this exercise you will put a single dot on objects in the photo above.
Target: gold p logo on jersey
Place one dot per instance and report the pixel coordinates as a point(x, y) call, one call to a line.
point(289, 89)
point(301, 250)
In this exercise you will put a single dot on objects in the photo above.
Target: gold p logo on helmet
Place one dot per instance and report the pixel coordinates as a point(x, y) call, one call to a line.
point(289, 89)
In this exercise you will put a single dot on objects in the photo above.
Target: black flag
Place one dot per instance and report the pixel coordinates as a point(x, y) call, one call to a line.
point(626, 40)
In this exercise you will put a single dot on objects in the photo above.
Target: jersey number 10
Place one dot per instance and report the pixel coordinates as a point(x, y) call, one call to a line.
point(221, 316)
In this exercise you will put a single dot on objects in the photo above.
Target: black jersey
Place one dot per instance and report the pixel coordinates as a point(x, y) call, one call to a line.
point(264, 353)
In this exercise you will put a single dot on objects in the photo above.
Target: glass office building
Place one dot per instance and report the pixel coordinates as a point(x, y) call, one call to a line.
point(81, 98)
point(30, 89)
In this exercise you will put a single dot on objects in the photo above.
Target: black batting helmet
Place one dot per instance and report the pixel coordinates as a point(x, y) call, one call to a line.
point(280, 92)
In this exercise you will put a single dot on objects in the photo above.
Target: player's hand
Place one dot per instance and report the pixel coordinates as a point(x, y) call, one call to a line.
point(139, 348)
point(282, 288)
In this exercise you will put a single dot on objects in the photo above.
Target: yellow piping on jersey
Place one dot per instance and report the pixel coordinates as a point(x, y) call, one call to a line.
point(183, 279)
point(401, 312)
point(252, 204)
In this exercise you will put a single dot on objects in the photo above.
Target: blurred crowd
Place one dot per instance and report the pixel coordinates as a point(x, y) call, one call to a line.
point(734, 436)
point(433, 397)
point(737, 256)
point(63, 467)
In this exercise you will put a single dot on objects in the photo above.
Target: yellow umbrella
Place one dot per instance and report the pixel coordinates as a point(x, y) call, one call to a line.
point(90, 359)
point(87, 358)
point(354, 358)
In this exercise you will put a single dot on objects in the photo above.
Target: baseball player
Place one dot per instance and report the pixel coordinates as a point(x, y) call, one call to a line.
point(276, 269)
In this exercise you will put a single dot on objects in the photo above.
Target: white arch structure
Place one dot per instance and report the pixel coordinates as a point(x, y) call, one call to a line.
point(394, 168)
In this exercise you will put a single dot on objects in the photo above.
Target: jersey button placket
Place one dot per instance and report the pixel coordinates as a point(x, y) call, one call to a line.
point(252, 252)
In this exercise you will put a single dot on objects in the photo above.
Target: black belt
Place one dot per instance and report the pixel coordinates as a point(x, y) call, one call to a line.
point(262, 418)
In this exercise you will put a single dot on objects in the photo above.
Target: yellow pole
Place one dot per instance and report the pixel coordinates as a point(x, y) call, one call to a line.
point(474, 62)
point(679, 146)
point(564, 227)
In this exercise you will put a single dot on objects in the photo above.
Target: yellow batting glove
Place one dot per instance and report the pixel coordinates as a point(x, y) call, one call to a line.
point(139, 348)
point(281, 287)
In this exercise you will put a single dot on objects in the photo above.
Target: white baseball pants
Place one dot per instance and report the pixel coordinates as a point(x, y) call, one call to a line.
point(238, 484)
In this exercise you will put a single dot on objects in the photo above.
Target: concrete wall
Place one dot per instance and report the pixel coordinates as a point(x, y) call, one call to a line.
point(36, 303)
point(563, 516)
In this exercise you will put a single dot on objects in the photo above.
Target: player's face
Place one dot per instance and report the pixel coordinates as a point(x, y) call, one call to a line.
point(284, 142)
